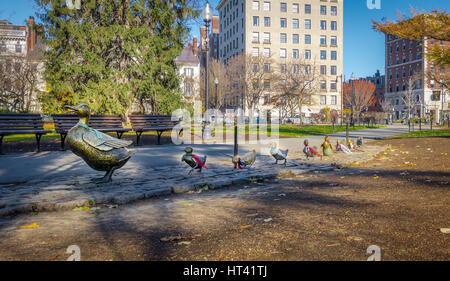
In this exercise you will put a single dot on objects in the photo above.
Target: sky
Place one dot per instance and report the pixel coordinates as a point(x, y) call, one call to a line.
point(363, 47)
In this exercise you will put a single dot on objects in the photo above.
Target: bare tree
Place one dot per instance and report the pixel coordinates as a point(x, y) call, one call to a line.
point(19, 79)
point(217, 70)
point(409, 98)
point(297, 82)
point(251, 77)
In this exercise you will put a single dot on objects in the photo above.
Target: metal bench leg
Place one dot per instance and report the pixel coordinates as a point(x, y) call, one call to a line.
point(159, 136)
point(1, 143)
point(138, 137)
point(38, 141)
point(63, 140)
point(119, 135)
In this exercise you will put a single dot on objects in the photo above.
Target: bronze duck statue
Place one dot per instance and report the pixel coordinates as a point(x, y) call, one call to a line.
point(278, 154)
point(246, 161)
point(194, 161)
point(100, 151)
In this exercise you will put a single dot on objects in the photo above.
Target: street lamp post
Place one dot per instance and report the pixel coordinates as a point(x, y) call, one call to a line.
point(216, 82)
point(441, 116)
point(207, 14)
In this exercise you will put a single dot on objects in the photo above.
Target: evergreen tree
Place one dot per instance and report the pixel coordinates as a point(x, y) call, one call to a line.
point(113, 53)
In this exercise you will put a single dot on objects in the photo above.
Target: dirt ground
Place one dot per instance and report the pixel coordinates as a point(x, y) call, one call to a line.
point(398, 201)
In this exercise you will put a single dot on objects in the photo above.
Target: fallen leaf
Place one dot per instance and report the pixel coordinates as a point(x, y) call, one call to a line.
point(186, 204)
point(245, 226)
point(268, 220)
point(33, 225)
point(184, 243)
point(112, 206)
point(84, 208)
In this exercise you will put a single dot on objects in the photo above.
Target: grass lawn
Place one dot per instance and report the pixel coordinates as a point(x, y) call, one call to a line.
point(284, 130)
point(423, 134)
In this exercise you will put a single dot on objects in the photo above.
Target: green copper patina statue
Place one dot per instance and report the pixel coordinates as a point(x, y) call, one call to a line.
point(246, 161)
point(194, 161)
point(326, 147)
point(100, 151)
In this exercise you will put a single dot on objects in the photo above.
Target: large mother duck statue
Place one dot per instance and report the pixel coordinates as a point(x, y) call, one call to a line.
point(100, 151)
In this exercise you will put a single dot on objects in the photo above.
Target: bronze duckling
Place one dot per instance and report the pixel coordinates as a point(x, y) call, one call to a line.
point(100, 151)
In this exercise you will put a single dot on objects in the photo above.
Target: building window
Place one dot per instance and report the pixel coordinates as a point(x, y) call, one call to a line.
point(295, 68)
point(283, 22)
point(323, 40)
point(295, 8)
point(307, 69)
point(256, 5)
point(323, 55)
point(333, 55)
point(333, 87)
point(334, 25)
point(323, 70)
point(266, 52)
point(333, 41)
point(18, 48)
point(323, 25)
point(267, 68)
point(333, 70)
point(255, 67)
point(283, 7)
point(307, 39)
point(333, 98)
point(255, 21)
point(307, 24)
point(255, 52)
point(295, 23)
point(307, 9)
point(323, 10)
point(283, 68)
point(266, 84)
point(307, 54)
point(283, 53)
point(267, 22)
point(266, 37)
point(295, 54)
point(267, 6)
point(283, 38)
point(323, 99)
point(333, 10)
point(295, 39)
point(189, 72)
point(255, 37)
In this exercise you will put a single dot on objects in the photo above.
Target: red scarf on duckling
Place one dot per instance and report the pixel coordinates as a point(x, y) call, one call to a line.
point(197, 159)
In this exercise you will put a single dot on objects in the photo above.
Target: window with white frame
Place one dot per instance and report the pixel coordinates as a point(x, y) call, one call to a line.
point(255, 51)
point(323, 99)
point(283, 53)
point(267, 6)
point(266, 52)
point(266, 37)
point(255, 5)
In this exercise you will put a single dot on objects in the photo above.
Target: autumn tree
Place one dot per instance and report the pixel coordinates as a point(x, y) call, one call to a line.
point(358, 95)
point(250, 77)
point(433, 25)
point(297, 82)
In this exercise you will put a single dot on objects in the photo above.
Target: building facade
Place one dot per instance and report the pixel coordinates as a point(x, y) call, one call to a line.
point(21, 60)
point(380, 86)
point(408, 70)
point(188, 65)
point(288, 31)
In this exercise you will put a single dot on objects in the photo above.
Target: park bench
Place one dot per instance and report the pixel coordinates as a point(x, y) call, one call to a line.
point(103, 123)
point(22, 124)
point(158, 123)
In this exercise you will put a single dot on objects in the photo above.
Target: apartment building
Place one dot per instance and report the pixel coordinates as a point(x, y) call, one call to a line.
point(405, 62)
point(288, 31)
point(188, 66)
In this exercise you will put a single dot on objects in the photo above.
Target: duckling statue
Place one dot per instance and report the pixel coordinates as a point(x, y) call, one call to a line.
point(246, 161)
point(278, 154)
point(341, 147)
point(194, 161)
point(326, 147)
point(360, 142)
point(352, 146)
point(100, 151)
point(309, 152)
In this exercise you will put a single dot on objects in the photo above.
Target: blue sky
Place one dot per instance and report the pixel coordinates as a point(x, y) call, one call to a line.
point(363, 47)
